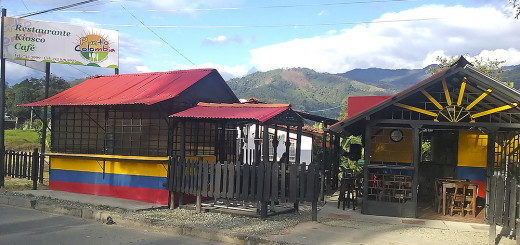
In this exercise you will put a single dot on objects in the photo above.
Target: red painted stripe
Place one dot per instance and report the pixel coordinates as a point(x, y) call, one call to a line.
point(481, 188)
point(159, 196)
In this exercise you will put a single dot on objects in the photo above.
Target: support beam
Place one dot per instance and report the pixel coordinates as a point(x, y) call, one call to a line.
point(501, 108)
point(367, 141)
point(265, 144)
point(44, 118)
point(183, 141)
point(2, 101)
point(446, 92)
point(298, 144)
point(416, 157)
point(287, 144)
point(275, 143)
point(478, 99)
point(257, 143)
point(433, 100)
point(412, 108)
point(461, 92)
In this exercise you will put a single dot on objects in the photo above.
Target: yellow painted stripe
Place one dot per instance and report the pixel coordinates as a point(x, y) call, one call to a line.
point(461, 92)
point(433, 100)
point(446, 92)
point(433, 114)
point(505, 107)
point(481, 97)
point(130, 167)
point(117, 157)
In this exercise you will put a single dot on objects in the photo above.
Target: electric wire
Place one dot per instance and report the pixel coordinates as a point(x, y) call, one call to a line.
point(57, 9)
point(328, 109)
point(265, 26)
point(157, 35)
point(251, 7)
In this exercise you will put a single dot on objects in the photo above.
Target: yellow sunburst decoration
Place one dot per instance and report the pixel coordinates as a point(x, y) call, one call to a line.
point(455, 112)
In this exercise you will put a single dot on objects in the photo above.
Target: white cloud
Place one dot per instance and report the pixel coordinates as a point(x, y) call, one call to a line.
point(186, 6)
point(401, 44)
point(323, 12)
point(132, 65)
point(81, 22)
point(227, 72)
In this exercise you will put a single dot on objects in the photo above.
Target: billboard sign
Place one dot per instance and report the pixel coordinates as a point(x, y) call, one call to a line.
point(60, 43)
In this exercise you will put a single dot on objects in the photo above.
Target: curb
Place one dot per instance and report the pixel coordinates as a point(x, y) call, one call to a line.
point(101, 216)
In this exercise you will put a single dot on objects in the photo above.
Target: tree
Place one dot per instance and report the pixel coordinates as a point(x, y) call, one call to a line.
point(30, 90)
point(516, 4)
point(492, 68)
point(21, 93)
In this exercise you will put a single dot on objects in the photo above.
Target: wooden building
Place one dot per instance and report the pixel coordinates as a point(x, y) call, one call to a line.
point(111, 135)
point(458, 123)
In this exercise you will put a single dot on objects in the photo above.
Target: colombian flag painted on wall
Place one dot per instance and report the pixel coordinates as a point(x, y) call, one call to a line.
point(122, 178)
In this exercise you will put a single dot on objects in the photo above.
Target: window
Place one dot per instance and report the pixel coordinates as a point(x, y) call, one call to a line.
point(200, 139)
point(100, 130)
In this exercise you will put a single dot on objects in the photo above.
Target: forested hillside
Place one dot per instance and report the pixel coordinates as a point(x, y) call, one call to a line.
point(305, 89)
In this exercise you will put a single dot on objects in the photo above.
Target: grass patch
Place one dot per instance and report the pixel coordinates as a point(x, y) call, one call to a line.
point(21, 140)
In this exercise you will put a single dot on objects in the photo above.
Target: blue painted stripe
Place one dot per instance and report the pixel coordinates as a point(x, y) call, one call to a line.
point(85, 177)
point(471, 173)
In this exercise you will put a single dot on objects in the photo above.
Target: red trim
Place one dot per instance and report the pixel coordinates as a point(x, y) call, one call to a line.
point(159, 196)
point(481, 188)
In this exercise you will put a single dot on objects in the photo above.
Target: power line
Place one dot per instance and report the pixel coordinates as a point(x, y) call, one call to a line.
point(72, 66)
point(58, 8)
point(328, 109)
point(251, 7)
point(162, 39)
point(266, 26)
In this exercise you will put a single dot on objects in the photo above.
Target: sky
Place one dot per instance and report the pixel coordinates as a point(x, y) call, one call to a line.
point(238, 37)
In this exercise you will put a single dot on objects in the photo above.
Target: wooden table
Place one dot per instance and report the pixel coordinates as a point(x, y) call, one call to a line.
point(451, 184)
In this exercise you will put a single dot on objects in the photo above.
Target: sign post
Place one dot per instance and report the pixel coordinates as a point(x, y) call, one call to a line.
point(30, 40)
point(2, 101)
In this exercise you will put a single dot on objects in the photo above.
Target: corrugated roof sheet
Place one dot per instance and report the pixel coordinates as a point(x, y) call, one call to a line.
point(260, 112)
point(143, 88)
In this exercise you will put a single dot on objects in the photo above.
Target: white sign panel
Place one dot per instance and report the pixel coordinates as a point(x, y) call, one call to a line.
point(60, 43)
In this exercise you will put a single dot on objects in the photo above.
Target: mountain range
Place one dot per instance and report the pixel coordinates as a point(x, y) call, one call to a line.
point(323, 93)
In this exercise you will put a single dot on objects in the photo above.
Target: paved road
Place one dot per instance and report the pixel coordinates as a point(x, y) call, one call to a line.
point(27, 226)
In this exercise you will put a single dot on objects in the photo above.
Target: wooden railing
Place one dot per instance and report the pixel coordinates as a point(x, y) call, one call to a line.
point(24, 165)
point(275, 182)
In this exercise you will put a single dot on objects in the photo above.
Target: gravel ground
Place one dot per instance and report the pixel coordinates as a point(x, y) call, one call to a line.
point(282, 225)
point(276, 224)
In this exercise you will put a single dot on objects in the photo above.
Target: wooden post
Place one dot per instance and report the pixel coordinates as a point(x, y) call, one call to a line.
point(298, 144)
point(287, 145)
point(416, 157)
point(313, 169)
point(44, 119)
point(265, 153)
point(275, 143)
point(257, 143)
point(2, 100)
point(182, 156)
point(34, 173)
point(492, 210)
point(198, 205)
point(368, 137)
point(489, 168)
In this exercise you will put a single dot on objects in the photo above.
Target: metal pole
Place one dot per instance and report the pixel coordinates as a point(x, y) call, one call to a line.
point(2, 100)
point(44, 118)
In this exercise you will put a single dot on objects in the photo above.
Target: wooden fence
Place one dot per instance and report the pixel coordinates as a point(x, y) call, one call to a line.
point(24, 165)
point(275, 182)
point(503, 207)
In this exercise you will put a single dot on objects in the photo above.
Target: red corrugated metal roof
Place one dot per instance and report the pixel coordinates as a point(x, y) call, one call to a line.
point(260, 112)
point(142, 88)
point(358, 104)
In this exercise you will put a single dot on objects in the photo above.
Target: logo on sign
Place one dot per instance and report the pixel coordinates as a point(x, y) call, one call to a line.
point(94, 47)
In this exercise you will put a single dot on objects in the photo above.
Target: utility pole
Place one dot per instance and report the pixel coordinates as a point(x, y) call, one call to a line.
point(2, 100)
